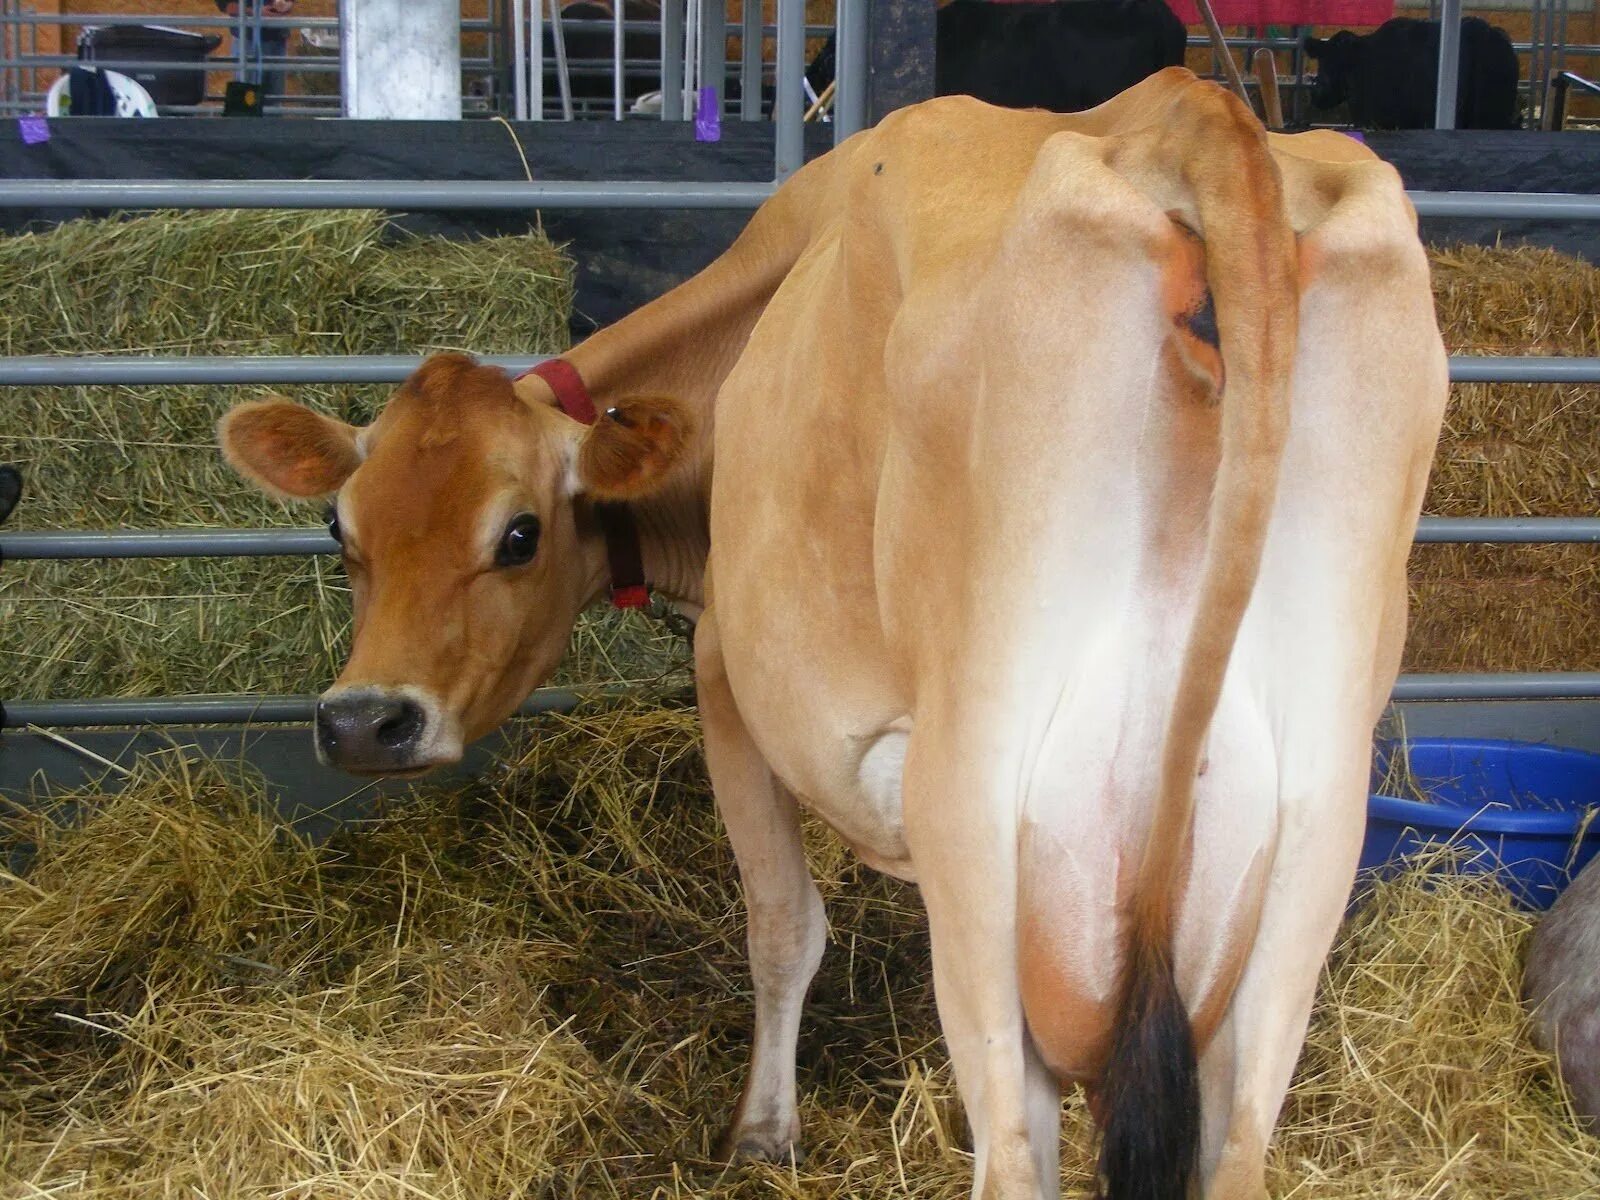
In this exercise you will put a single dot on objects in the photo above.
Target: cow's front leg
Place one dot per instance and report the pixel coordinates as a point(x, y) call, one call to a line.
point(787, 927)
point(963, 842)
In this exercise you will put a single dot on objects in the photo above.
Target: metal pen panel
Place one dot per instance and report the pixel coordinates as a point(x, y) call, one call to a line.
point(135, 370)
point(789, 108)
point(415, 195)
point(1487, 368)
point(713, 45)
point(1549, 206)
point(519, 58)
point(140, 371)
point(1507, 530)
point(850, 70)
point(1444, 104)
point(672, 26)
point(751, 34)
point(224, 710)
point(264, 710)
point(75, 544)
point(1509, 685)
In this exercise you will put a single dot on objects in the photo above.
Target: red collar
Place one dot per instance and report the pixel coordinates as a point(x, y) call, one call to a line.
point(628, 586)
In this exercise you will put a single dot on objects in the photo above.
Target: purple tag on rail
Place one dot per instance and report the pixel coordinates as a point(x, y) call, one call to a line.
point(707, 120)
point(34, 129)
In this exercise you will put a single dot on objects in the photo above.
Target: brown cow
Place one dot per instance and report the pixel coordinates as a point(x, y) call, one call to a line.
point(997, 577)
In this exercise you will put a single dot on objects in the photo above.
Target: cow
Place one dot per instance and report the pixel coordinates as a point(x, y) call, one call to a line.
point(1561, 983)
point(1064, 56)
point(1042, 486)
point(1390, 76)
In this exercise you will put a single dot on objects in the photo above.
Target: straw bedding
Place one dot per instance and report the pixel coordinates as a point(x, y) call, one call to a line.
point(536, 987)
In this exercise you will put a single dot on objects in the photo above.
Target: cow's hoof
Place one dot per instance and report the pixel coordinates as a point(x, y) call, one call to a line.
point(767, 1144)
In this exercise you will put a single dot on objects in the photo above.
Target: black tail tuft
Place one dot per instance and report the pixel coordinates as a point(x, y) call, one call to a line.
point(1150, 1092)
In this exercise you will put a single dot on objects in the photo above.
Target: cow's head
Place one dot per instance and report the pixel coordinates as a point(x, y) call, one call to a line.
point(464, 517)
point(1338, 59)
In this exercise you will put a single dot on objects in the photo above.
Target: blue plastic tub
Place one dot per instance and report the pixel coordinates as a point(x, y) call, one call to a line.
point(1515, 807)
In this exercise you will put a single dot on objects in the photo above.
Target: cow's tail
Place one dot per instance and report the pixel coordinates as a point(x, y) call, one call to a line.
point(1211, 160)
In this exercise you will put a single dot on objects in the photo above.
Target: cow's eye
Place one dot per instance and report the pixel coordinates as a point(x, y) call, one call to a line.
point(331, 520)
point(520, 543)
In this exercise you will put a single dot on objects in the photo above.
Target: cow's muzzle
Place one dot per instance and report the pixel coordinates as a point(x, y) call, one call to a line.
point(376, 731)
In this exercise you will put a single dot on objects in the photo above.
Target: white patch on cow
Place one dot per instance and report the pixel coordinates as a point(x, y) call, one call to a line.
point(877, 824)
point(571, 483)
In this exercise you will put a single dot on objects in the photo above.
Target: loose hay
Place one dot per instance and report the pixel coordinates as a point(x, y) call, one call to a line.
point(226, 283)
point(1512, 450)
point(537, 986)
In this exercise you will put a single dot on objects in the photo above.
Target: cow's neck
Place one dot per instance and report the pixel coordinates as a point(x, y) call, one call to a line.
point(683, 345)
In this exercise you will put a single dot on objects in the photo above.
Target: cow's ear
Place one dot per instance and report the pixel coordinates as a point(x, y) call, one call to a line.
point(287, 450)
point(632, 448)
point(1315, 46)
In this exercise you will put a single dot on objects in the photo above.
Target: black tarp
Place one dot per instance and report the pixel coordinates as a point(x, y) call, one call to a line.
point(627, 256)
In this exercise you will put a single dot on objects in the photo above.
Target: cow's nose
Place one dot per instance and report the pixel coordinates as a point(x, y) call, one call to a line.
point(370, 731)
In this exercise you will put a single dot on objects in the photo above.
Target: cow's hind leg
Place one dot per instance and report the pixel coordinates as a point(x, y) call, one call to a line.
point(963, 843)
point(1246, 1069)
point(787, 927)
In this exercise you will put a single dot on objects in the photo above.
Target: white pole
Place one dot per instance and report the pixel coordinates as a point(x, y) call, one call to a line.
point(519, 59)
point(402, 59)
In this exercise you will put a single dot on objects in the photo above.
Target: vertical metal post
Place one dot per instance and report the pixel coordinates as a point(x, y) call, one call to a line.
point(714, 50)
point(1537, 76)
point(258, 47)
point(558, 42)
point(347, 60)
point(1560, 63)
point(750, 39)
point(789, 108)
point(850, 70)
point(533, 65)
point(672, 60)
point(1444, 106)
point(519, 58)
point(616, 59)
point(238, 36)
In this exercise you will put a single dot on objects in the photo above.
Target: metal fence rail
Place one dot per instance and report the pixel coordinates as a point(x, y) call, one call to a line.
point(138, 370)
point(222, 710)
point(141, 370)
point(62, 544)
point(414, 195)
point(465, 194)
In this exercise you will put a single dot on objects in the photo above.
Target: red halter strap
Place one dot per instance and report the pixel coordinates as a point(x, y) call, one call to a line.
point(626, 561)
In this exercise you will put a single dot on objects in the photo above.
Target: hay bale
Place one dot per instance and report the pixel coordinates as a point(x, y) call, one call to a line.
point(537, 985)
point(1511, 450)
point(222, 283)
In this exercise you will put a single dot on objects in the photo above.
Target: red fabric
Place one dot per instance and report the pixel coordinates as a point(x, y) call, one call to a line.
point(1288, 12)
point(567, 384)
point(634, 596)
point(1278, 12)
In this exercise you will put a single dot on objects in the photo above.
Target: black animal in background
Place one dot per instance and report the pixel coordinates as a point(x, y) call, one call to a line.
point(10, 490)
point(1390, 76)
point(1064, 56)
